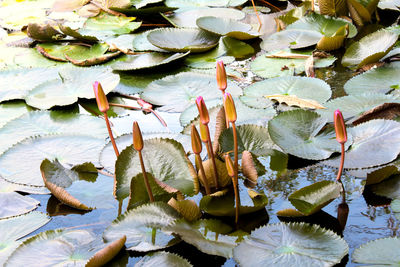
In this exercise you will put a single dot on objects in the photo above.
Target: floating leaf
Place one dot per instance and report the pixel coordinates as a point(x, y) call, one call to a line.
point(389, 188)
point(165, 159)
point(163, 258)
point(334, 8)
point(16, 228)
point(297, 133)
point(207, 236)
point(73, 83)
point(14, 204)
point(258, 94)
point(12, 110)
point(228, 27)
point(187, 208)
point(203, 3)
point(143, 227)
point(43, 33)
point(141, 43)
point(46, 122)
point(369, 49)
point(375, 142)
point(290, 38)
point(295, 101)
point(6, 186)
point(389, 4)
point(56, 247)
point(68, 149)
point(183, 40)
point(145, 61)
point(75, 33)
point(313, 198)
point(285, 244)
point(142, 3)
point(187, 17)
point(388, 111)
point(146, 11)
point(388, 252)
point(177, 92)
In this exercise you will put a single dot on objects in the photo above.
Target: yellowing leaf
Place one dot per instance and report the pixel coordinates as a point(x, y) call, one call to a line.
point(292, 100)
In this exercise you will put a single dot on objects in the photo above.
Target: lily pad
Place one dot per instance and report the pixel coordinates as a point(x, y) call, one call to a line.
point(228, 27)
point(143, 227)
point(49, 122)
point(187, 17)
point(43, 33)
point(142, 3)
point(352, 106)
point(73, 83)
point(389, 188)
point(369, 49)
point(395, 205)
point(12, 110)
point(145, 11)
point(256, 95)
point(377, 80)
point(389, 4)
point(141, 43)
point(293, 39)
point(165, 159)
point(183, 40)
point(388, 252)
point(177, 92)
point(202, 3)
point(15, 228)
point(163, 259)
point(6, 186)
point(297, 133)
point(206, 235)
point(68, 149)
point(54, 247)
point(289, 244)
point(375, 142)
point(313, 198)
point(14, 204)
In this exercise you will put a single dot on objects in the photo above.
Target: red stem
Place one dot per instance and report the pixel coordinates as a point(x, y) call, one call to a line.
point(146, 181)
point(203, 174)
point(111, 135)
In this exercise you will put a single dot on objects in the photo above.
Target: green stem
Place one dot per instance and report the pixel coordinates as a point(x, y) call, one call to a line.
point(211, 156)
point(203, 174)
point(146, 180)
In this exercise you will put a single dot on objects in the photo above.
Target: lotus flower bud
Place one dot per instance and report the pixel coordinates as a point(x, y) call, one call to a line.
point(340, 127)
point(230, 110)
point(196, 142)
point(229, 165)
point(201, 106)
point(203, 133)
point(144, 104)
point(137, 137)
point(221, 76)
point(101, 99)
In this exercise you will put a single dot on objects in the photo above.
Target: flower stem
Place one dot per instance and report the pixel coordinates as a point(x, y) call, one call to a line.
point(237, 198)
point(236, 167)
point(111, 135)
point(146, 180)
point(341, 164)
point(258, 17)
point(203, 174)
point(211, 155)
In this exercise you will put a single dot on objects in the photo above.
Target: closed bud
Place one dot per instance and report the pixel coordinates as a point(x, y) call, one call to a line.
point(203, 133)
point(221, 76)
point(196, 142)
point(137, 137)
point(201, 106)
point(229, 165)
point(101, 99)
point(340, 127)
point(230, 110)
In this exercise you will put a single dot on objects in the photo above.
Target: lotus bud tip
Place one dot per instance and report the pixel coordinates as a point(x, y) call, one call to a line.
point(229, 165)
point(340, 127)
point(201, 106)
point(101, 98)
point(137, 137)
point(230, 109)
point(196, 142)
point(221, 76)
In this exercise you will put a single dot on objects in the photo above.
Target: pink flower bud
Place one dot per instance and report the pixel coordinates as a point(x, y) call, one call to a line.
point(221, 76)
point(340, 127)
point(201, 106)
point(101, 99)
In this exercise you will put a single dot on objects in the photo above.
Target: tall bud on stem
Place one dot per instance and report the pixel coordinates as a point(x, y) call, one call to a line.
point(138, 146)
point(232, 173)
point(197, 147)
point(221, 76)
point(205, 132)
point(341, 137)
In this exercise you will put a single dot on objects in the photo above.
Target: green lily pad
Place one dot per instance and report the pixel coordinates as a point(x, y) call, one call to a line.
point(187, 17)
point(73, 83)
point(30, 58)
point(14, 204)
point(66, 185)
point(68, 149)
point(143, 227)
point(165, 159)
point(141, 43)
point(377, 80)
point(286, 244)
point(75, 33)
point(378, 252)
point(146, 11)
point(177, 92)
point(132, 83)
point(206, 235)
point(375, 142)
point(145, 61)
point(293, 39)
point(252, 138)
point(389, 188)
point(44, 122)
point(313, 198)
point(301, 87)
point(57, 247)
point(297, 133)
point(369, 49)
point(267, 67)
point(352, 106)
point(15, 228)
point(6, 186)
point(202, 3)
point(164, 259)
point(183, 40)
point(12, 110)
point(142, 3)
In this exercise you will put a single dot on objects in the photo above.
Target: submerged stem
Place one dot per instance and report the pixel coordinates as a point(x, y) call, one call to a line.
point(212, 157)
point(203, 174)
point(237, 198)
point(146, 180)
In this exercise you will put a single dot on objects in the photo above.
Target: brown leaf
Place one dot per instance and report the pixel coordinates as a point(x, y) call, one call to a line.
point(187, 208)
point(292, 100)
point(93, 61)
point(284, 54)
point(224, 178)
point(309, 66)
point(248, 168)
point(220, 126)
point(106, 254)
point(43, 51)
point(43, 33)
point(289, 213)
point(386, 111)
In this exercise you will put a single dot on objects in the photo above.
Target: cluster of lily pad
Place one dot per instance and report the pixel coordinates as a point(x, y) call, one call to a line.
point(154, 180)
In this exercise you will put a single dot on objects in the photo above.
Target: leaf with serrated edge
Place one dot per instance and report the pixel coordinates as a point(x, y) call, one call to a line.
point(383, 251)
